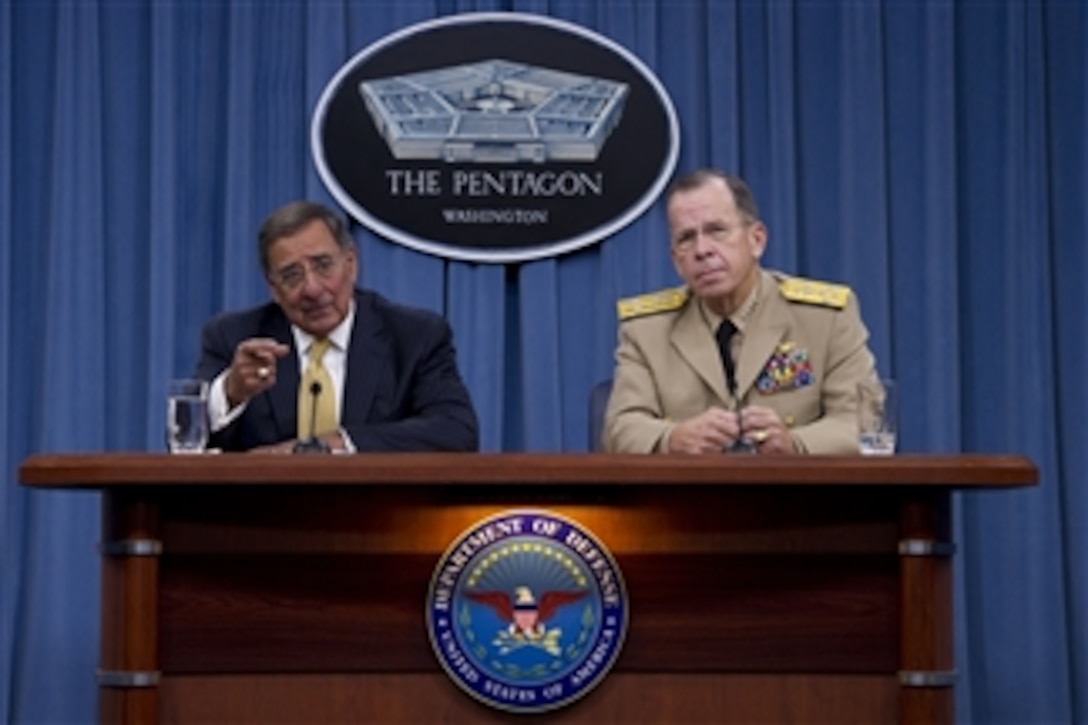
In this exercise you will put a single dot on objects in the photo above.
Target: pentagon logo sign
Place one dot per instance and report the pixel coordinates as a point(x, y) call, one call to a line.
point(495, 137)
point(527, 611)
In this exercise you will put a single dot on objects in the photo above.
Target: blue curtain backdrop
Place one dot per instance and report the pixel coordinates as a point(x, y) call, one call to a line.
point(930, 154)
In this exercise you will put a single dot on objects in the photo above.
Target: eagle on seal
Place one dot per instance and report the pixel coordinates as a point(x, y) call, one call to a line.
point(525, 614)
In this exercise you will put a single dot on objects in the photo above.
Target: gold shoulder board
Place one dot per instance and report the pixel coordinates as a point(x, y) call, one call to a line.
point(664, 300)
point(813, 292)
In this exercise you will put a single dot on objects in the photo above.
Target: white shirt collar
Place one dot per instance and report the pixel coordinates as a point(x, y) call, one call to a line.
point(340, 336)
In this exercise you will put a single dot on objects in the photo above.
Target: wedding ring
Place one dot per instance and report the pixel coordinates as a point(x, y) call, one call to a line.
point(263, 372)
point(760, 435)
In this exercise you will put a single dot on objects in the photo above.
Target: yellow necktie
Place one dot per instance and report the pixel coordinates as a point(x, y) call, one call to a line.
point(323, 410)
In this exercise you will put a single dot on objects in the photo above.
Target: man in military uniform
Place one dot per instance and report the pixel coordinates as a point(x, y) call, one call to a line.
point(797, 348)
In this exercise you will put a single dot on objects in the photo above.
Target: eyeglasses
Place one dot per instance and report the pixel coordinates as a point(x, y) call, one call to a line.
point(292, 277)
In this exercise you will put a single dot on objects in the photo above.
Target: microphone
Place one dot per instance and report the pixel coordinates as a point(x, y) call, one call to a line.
point(313, 444)
point(724, 334)
point(741, 444)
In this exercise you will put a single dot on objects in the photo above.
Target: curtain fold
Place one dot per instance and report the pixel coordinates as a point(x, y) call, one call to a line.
point(931, 155)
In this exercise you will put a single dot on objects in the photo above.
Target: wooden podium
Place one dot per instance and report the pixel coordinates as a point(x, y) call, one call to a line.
point(292, 589)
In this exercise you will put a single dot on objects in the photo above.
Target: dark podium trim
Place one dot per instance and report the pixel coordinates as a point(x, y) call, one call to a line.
point(755, 582)
point(429, 469)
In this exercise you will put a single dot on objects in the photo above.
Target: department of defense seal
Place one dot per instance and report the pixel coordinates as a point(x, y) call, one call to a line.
point(527, 611)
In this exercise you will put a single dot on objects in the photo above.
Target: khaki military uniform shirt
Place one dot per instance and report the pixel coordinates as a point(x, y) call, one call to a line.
point(803, 350)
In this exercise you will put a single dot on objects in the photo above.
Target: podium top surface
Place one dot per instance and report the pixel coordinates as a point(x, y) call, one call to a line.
point(110, 470)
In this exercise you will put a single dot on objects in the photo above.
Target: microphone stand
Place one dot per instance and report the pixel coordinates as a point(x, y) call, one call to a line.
point(740, 444)
point(312, 444)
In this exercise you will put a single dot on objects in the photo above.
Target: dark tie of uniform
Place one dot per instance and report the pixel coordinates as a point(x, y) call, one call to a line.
point(725, 333)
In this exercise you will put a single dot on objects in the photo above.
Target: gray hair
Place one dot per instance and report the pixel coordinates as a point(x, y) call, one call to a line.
point(291, 217)
point(742, 195)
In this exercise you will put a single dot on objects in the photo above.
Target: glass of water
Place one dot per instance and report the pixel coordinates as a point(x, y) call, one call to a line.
point(878, 414)
point(187, 415)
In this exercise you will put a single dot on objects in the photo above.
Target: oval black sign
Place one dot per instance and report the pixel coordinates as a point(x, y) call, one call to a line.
point(495, 137)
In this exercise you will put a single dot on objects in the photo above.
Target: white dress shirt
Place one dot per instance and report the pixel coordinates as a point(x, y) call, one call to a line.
point(335, 361)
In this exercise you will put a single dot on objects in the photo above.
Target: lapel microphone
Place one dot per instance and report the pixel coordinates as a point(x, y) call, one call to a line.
point(313, 444)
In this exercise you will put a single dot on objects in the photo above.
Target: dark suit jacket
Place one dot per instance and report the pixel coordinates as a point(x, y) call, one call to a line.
point(402, 390)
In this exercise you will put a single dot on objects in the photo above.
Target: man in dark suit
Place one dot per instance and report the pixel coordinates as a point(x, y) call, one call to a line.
point(387, 377)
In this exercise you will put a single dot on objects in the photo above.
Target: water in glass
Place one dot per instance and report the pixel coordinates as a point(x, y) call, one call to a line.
point(187, 416)
point(876, 444)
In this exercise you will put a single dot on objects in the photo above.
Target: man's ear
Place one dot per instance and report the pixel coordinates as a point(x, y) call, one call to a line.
point(353, 260)
point(758, 239)
point(675, 263)
point(273, 291)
